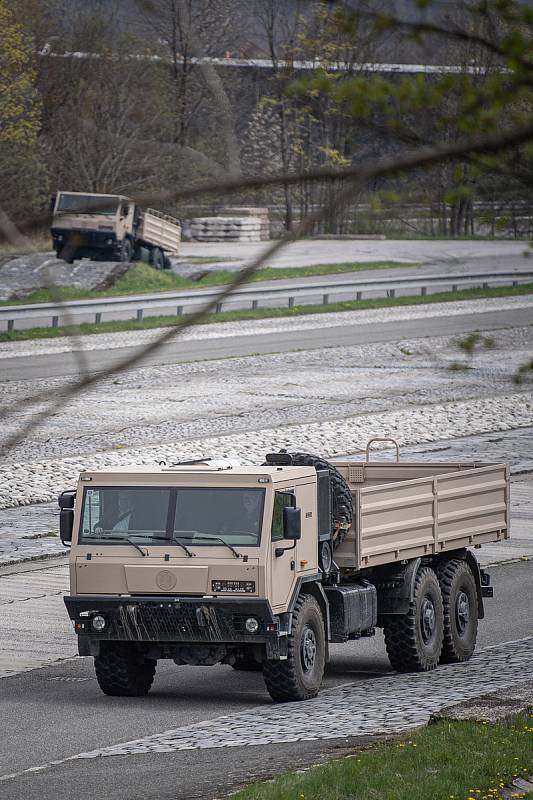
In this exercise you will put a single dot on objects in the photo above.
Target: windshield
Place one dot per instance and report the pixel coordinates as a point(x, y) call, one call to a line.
point(195, 516)
point(88, 204)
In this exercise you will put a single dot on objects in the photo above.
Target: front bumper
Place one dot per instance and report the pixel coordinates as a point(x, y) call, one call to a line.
point(176, 620)
point(84, 241)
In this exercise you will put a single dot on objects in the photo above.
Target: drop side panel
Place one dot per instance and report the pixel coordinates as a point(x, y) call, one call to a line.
point(430, 515)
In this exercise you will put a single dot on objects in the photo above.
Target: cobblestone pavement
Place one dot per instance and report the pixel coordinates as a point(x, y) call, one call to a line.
point(387, 705)
point(206, 401)
point(26, 483)
point(199, 400)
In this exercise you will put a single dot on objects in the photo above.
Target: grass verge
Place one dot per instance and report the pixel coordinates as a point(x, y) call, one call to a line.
point(266, 313)
point(445, 761)
point(142, 278)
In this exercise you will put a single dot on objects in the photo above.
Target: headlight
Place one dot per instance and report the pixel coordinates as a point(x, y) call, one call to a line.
point(98, 622)
point(251, 625)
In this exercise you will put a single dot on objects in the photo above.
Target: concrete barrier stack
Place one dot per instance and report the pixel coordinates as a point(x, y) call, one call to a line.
point(241, 224)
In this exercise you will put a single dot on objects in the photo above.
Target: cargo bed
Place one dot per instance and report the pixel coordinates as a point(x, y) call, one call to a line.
point(160, 230)
point(406, 510)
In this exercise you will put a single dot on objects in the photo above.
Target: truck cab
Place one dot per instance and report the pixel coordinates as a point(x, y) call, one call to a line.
point(96, 226)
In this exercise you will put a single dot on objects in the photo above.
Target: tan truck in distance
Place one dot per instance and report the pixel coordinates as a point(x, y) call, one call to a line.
point(262, 567)
point(111, 228)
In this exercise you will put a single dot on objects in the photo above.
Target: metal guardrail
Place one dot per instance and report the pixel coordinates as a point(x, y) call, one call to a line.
point(249, 296)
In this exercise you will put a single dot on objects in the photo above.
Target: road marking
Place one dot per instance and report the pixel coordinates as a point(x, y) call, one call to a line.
point(388, 705)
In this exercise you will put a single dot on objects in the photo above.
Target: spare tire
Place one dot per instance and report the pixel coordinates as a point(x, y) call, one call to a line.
point(341, 497)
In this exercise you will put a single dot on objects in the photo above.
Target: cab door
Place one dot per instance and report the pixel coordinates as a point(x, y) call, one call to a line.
point(282, 571)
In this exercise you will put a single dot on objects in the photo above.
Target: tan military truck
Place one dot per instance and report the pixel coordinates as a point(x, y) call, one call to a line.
point(111, 228)
point(262, 567)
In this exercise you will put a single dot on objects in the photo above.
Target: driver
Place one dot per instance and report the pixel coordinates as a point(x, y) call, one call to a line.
point(125, 510)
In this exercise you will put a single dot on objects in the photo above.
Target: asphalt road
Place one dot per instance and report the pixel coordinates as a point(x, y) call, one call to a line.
point(52, 713)
point(452, 254)
point(65, 364)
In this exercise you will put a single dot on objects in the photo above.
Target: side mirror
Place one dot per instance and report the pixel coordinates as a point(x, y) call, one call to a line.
point(292, 523)
point(66, 515)
point(66, 522)
point(66, 499)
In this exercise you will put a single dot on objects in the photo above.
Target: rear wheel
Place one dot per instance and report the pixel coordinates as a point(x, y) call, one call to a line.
point(158, 259)
point(299, 677)
point(459, 596)
point(122, 672)
point(414, 640)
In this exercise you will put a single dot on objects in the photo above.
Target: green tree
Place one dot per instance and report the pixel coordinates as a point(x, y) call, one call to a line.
point(483, 84)
point(22, 172)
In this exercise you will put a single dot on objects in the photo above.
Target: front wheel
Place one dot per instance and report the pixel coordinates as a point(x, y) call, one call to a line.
point(126, 251)
point(459, 596)
point(122, 672)
point(414, 640)
point(299, 677)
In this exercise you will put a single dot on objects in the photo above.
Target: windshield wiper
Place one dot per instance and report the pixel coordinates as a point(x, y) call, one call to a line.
point(174, 540)
point(222, 541)
point(124, 539)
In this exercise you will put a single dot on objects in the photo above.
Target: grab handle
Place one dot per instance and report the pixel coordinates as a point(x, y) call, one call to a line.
point(377, 439)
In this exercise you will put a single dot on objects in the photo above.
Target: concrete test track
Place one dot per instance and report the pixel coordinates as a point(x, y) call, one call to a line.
point(203, 730)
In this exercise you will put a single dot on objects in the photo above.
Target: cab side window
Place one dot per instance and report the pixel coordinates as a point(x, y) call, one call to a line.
point(281, 500)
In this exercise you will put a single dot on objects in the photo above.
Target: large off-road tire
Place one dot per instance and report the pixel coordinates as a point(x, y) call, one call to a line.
point(126, 251)
point(158, 258)
point(299, 677)
point(459, 598)
point(414, 640)
point(341, 497)
point(122, 672)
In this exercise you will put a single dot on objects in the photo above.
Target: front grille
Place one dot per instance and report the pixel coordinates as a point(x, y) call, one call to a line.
point(174, 623)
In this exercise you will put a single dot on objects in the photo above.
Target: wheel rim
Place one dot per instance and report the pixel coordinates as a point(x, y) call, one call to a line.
point(308, 649)
point(326, 558)
point(462, 612)
point(427, 619)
